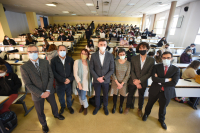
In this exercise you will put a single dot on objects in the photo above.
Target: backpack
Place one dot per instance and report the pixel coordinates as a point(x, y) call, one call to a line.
point(197, 79)
point(9, 120)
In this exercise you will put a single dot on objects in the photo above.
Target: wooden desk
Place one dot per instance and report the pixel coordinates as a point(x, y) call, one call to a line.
point(11, 62)
point(181, 65)
point(3, 99)
point(21, 53)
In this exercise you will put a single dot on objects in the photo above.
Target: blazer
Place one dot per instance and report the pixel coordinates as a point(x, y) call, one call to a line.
point(137, 73)
point(98, 71)
point(185, 58)
point(64, 38)
point(36, 82)
point(5, 42)
point(169, 87)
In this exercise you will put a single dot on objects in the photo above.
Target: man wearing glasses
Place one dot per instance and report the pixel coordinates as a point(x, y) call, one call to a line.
point(38, 79)
point(165, 77)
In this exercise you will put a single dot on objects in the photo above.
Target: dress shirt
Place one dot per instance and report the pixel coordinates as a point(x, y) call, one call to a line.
point(101, 57)
point(142, 63)
point(63, 60)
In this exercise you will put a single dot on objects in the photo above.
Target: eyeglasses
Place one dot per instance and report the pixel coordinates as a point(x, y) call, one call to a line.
point(166, 58)
point(32, 51)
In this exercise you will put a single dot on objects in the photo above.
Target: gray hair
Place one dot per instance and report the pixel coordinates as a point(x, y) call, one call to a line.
point(63, 46)
point(32, 45)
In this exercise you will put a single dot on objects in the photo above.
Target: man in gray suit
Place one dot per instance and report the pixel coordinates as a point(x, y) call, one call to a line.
point(101, 68)
point(38, 79)
point(141, 68)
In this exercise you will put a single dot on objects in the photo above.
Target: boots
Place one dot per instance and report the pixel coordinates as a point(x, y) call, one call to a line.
point(114, 103)
point(121, 104)
point(85, 111)
point(81, 109)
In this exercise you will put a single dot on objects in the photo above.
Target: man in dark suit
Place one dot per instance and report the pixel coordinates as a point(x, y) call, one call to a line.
point(62, 67)
point(165, 77)
point(38, 79)
point(101, 68)
point(62, 37)
point(141, 68)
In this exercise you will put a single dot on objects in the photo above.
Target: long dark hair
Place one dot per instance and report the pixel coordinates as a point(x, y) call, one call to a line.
point(195, 64)
point(29, 38)
point(2, 61)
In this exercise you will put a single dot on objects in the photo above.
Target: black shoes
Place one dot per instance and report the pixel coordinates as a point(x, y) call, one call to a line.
point(164, 126)
point(105, 110)
point(60, 117)
point(114, 108)
point(96, 110)
point(71, 110)
point(144, 118)
point(120, 109)
point(45, 129)
point(61, 110)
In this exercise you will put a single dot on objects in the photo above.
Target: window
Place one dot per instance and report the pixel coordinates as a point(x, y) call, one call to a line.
point(173, 26)
point(147, 23)
point(197, 39)
point(160, 26)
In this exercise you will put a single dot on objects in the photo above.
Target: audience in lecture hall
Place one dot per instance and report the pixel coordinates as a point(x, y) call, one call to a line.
point(8, 66)
point(9, 86)
point(90, 46)
point(120, 79)
point(186, 57)
point(165, 48)
point(162, 42)
point(29, 39)
point(192, 47)
point(51, 52)
point(45, 47)
point(124, 42)
point(61, 37)
point(158, 56)
point(130, 53)
point(151, 54)
point(83, 80)
point(8, 41)
point(70, 37)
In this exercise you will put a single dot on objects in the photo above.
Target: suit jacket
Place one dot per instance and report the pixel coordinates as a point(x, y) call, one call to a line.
point(5, 42)
point(98, 71)
point(36, 82)
point(63, 38)
point(137, 73)
point(169, 87)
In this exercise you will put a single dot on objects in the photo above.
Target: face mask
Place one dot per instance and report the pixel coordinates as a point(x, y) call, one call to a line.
point(114, 34)
point(166, 62)
point(7, 38)
point(58, 32)
point(166, 47)
point(119, 35)
point(102, 49)
point(50, 33)
point(124, 38)
point(33, 56)
point(131, 40)
point(84, 57)
point(189, 53)
point(43, 42)
point(157, 55)
point(142, 52)
point(130, 49)
point(32, 35)
point(191, 47)
point(122, 57)
point(62, 53)
point(2, 74)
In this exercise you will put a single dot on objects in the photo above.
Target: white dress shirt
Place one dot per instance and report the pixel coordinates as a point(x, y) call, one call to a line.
point(101, 57)
point(63, 60)
point(142, 63)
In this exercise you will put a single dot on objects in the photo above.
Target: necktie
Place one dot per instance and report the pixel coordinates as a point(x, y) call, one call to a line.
point(166, 67)
point(37, 67)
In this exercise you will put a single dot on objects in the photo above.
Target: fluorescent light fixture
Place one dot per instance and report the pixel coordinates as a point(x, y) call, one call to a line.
point(130, 4)
point(123, 11)
point(93, 12)
point(50, 4)
point(163, 5)
point(89, 4)
point(65, 11)
point(73, 14)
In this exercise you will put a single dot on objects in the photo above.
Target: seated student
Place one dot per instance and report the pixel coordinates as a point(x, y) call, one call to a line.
point(137, 32)
point(102, 34)
point(70, 37)
point(51, 52)
point(162, 42)
point(29, 39)
point(124, 42)
point(62, 37)
point(8, 66)
point(9, 85)
point(132, 41)
point(45, 47)
point(72, 32)
point(119, 36)
point(192, 46)
point(44, 34)
point(33, 37)
point(50, 36)
point(165, 48)
point(66, 32)
point(90, 46)
point(130, 53)
point(151, 54)
point(8, 41)
point(115, 53)
point(158, 56)
point(144, 35)
point(186, 57)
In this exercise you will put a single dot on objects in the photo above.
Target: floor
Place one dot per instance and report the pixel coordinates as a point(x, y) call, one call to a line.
point(180, 118)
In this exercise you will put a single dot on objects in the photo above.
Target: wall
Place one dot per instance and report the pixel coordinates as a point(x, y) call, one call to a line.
point(72, 20)
point(38, 19)
point(17, 23)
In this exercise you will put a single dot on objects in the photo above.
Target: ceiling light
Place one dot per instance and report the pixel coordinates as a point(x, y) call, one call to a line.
point(50, 4)
point(130, 4)
point(89, 4)
point(65, 11)
point(73, 14)
point(93, 12)
point(123, 11)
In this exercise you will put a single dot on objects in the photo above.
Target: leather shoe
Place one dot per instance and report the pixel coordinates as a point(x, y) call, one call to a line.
point(106, 111)
point(45, 129)
point(113, 109)
point(96, 110)
point(61, 110)
point(164, 126)
point(144, 118)
point(126, 110)
point(60, 117)
point(71, 110)
point(81, 109)
point(85, 111)
point(120, 110)
point(140, 114)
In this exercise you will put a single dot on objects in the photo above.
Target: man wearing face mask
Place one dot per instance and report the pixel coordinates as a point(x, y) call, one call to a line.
point(62, 67)
point(165, 77)
point(192, 46)
point(165, 48)
point(62, 37)
point(101, 68)
point(130, 53)
point(38, 79)
point(141, 68)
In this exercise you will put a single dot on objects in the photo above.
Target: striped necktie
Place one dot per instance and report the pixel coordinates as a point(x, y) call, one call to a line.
point(37, 67)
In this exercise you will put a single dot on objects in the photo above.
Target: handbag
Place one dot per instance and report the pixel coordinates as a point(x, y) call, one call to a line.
point(197, 79)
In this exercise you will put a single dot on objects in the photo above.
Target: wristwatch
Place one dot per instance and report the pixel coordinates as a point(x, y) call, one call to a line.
point(104, 78)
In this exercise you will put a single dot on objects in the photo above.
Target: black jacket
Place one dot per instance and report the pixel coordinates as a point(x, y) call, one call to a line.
point(33, 42)
point(161, 42)
point(13, 81)
point(5, 42)
point(62, 72)
point(70, 38)
point(129, 55)
point(64, 38)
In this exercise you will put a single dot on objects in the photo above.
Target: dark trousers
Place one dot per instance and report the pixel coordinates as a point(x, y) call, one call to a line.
point(131, 96)
point(115, 100)
point(105, 88)
point(163, 103)
point(39, 107)
point(61, 90)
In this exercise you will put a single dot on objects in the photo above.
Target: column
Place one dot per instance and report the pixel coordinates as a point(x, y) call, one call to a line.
point(170, 18)
point(4, 27)
point(32, 21)
point(154, 21)
point(143, 22)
